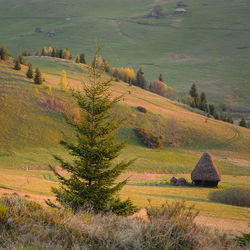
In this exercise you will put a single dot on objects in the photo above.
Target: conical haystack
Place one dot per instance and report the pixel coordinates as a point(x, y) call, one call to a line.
point(205, 172)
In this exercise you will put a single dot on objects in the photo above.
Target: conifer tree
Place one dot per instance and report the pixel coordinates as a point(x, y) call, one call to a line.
point(193, 91)
point(17, 64)
point(53, 54)
point(140, 79)
point(83, 58)
point(243, 122)
point(29, 72)
point(38, 77)
point(4, 54)
point(93, 173)
point(63, 81)
point(203, 102)
point(160, 77)
point(211, 109)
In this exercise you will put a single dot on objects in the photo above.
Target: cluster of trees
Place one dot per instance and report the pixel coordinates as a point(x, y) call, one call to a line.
point(81, 58)
point(37, 75)
point(218, 112)
point(200, 102)
point(59, 53)
point(125, 74)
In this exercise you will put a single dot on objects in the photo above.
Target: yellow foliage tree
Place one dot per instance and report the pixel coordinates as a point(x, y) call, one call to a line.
point(63, 81)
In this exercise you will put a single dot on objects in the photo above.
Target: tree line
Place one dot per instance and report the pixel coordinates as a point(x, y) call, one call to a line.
point(200, 102)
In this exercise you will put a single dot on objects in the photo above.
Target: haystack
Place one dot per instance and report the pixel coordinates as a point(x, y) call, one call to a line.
point(205, 173)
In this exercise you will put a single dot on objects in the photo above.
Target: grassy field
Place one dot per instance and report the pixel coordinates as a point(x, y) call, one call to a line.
point(209, 45)
point(30, 134)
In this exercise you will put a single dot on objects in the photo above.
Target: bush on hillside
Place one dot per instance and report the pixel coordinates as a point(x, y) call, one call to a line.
point(147, 138)
point(26, 224)
point(52, 104)
point(239, 196)
point(142, 109)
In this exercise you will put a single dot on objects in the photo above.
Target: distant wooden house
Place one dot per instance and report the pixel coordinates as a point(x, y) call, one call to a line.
point(180, 11)
point(181, 4)
point(50, 33)
point(38, 30)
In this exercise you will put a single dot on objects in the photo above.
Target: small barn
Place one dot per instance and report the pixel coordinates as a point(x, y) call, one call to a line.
point(50, 33)
point(205, 173)
point(181, 4)
point(180, 11)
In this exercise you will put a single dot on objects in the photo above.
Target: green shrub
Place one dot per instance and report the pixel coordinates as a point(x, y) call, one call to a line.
point(30, 226)
point(239, 196)
point(148, 138)
point(142, 109)
point(243, 240)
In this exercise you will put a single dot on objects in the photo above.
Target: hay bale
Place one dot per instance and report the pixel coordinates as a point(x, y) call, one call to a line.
point(205, 172)
point(173, 181)
point(181, 182)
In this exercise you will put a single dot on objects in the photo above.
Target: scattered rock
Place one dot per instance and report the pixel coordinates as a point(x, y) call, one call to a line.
point(173, 181)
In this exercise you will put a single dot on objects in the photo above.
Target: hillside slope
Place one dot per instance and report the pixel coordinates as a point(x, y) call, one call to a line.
point(30, 131)
point(208, 45)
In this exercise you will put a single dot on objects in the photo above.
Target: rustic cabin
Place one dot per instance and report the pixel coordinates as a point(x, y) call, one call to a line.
point(205, 173)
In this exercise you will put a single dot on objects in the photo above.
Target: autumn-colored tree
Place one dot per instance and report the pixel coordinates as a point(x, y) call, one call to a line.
point(4, 54)
point(63, 81)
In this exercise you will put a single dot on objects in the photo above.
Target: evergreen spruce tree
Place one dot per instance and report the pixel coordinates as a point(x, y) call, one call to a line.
point(243, 122)
point(29, 72)
point(203, 101)
point(38, 77)
point(211, 109)
point(193, 91)
point(160, 77)
point(17, 64)
point(93, 173)
point(83, 58)
point(4, 54)
point(60, 53)
point(53, 54)
point(140, 79)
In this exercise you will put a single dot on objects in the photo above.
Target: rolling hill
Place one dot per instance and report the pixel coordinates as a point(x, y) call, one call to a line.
point(208, 45)
point(31, 129)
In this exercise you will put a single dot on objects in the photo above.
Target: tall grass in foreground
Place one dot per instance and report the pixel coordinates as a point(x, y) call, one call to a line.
point(239, 196)
point(27, 225)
